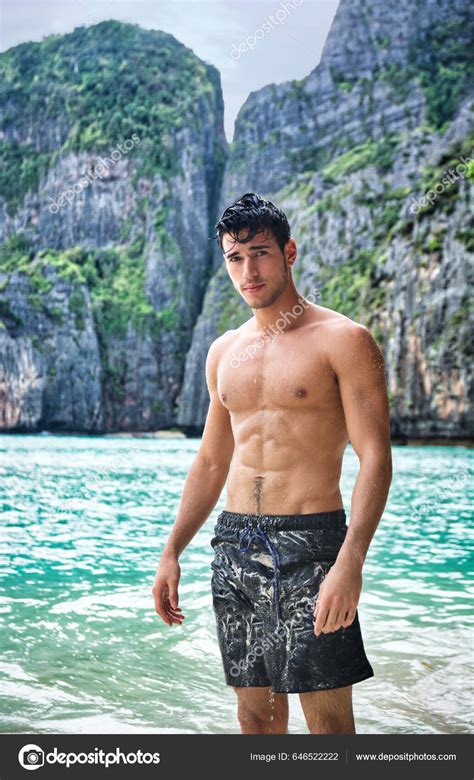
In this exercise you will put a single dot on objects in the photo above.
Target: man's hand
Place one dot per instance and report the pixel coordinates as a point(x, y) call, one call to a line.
point(338, 598)
point(165, 591)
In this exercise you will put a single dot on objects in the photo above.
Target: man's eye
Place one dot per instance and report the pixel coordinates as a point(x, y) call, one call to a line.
point(259, 252)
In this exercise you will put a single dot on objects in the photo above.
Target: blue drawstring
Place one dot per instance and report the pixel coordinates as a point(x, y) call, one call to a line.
point(260, 534)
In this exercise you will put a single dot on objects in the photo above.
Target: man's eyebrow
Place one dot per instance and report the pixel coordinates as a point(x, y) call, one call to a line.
point(255, 246)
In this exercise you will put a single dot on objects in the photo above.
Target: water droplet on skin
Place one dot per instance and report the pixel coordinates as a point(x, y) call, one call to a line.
point(271, 701)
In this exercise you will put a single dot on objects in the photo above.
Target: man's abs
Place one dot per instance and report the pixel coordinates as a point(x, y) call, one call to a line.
point(283, 467)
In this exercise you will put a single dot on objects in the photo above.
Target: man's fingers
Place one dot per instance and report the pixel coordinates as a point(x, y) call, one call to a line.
point(322, 613)
point(160, 595)
point(329, 623)
point(173, 612)
point(175, 620)
point(163, 615)
point(328, 618)
point(173, 594)
point(338, 622)
point(335, 618)
point(173, 609)
point(350, 617)
point(161, 611)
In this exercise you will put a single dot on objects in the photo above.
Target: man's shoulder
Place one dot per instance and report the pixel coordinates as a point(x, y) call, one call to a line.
point(336, 325)
point(347, 341)
point(223, 341)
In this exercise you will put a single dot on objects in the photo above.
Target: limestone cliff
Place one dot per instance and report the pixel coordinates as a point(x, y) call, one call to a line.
point(112, 149)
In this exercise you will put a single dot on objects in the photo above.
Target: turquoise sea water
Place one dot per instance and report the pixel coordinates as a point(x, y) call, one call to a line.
point(82, 650)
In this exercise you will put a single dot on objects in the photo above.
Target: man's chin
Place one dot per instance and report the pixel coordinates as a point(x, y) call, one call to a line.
point(256, 304)
point(260, 305)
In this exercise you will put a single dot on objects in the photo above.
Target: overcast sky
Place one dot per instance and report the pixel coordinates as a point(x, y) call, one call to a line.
point(287, 36)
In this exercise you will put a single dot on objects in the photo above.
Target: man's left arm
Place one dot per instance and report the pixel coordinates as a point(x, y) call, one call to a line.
point(360, 369)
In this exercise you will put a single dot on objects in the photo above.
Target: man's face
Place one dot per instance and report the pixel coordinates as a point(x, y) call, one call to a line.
point(258, 269)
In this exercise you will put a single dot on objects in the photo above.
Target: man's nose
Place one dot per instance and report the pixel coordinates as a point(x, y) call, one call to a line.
point(250, 268)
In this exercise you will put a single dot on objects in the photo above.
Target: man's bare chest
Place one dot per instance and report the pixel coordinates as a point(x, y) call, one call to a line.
point(286, 375)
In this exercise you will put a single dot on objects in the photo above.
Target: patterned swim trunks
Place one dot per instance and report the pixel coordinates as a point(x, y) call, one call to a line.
point(266, 575)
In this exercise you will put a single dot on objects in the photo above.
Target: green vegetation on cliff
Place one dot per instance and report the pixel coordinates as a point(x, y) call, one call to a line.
point(351, 288)
point(378, 153)
point(114, 277)
point(443, 63)
point(90, 91)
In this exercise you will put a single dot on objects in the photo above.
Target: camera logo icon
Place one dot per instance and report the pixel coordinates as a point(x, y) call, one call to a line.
point(31, 757)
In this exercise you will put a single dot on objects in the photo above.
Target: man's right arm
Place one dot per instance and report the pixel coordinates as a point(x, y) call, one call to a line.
point(202, 488)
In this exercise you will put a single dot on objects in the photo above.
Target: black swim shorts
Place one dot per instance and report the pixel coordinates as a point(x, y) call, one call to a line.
point(267, 571)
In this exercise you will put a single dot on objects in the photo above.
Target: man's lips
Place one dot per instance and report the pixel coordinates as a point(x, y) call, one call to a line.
point(254, 287)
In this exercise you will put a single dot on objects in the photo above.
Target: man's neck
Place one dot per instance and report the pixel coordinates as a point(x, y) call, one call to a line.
point(288, 312)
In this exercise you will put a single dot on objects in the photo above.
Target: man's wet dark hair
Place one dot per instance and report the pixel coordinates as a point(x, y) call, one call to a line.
point(253, 214)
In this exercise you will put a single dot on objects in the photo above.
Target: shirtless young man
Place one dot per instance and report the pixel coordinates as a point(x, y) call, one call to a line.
point(289, 389)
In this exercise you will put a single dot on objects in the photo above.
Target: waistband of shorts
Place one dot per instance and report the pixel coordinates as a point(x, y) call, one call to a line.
point(333, 519)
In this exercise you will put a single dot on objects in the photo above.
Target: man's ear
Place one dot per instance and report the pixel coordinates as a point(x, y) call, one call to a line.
point(290, 251)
